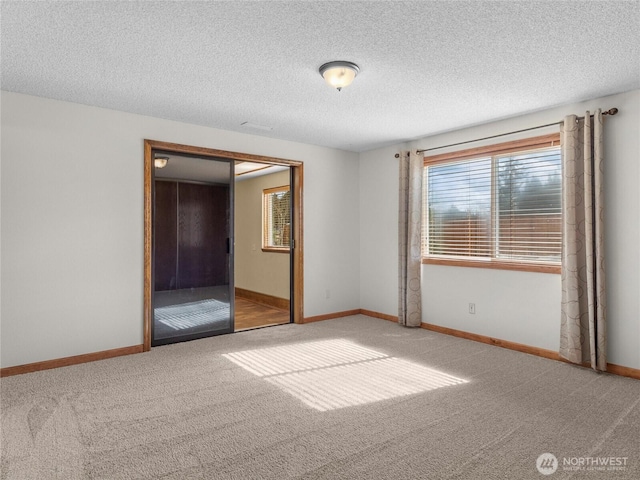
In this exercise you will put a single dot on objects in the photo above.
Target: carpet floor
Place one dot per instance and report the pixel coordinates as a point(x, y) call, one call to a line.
point(351, 398)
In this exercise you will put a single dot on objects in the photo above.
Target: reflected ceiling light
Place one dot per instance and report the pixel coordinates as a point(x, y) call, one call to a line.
point(160, 162)
point(339, 74)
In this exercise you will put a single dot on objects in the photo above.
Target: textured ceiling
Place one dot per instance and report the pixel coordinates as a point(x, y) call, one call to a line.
point(426, 67)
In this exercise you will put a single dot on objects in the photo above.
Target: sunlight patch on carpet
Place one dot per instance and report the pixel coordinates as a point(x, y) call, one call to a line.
point(331, 374)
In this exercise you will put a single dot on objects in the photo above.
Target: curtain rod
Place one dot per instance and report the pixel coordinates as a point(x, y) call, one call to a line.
point(611, 111)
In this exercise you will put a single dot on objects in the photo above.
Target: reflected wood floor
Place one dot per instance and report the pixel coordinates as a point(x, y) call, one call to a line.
point(251, 315)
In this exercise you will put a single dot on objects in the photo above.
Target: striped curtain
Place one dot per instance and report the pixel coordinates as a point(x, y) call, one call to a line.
point(409, 240)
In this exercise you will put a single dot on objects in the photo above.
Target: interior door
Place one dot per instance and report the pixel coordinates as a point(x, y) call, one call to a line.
point(193, 287)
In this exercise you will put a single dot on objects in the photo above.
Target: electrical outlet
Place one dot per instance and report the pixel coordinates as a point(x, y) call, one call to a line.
point(472, 308)
point(327, 294)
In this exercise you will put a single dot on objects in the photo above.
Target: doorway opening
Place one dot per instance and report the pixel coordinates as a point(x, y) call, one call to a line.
point(189, 277)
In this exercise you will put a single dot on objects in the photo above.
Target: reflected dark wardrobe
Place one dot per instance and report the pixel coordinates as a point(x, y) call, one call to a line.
point(190, 243)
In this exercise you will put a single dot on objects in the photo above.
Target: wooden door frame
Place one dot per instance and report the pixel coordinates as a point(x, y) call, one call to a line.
point(297, 251)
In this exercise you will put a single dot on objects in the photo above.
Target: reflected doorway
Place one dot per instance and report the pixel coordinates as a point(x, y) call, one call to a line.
point(263, 236)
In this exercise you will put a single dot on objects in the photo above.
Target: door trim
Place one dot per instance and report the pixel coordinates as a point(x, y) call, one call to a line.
point(297, 251)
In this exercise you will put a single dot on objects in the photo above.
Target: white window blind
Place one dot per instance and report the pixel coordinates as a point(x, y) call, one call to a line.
point(504, 207)
point(276, 218)
point(459, 208)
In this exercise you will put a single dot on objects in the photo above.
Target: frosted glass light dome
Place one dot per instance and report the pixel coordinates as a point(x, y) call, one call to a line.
point(339, 74)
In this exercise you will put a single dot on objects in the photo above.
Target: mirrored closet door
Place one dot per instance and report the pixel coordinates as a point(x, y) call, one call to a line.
point(193, 291)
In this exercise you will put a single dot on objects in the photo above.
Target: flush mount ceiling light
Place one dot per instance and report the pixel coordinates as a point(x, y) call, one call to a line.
point(160, 162)
point(339, 74)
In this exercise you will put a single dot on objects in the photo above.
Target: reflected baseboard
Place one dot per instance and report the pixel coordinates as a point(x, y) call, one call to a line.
point(263, 299)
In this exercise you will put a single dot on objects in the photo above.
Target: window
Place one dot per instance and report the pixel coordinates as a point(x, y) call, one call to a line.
point(495, 207)
point(276, 219)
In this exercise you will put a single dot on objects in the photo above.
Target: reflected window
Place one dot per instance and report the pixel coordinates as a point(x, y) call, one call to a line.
point(276, 219)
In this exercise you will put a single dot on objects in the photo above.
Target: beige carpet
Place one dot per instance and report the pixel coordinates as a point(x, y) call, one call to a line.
point(352, 398)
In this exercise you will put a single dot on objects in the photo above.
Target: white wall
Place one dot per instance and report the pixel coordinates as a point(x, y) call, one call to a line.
point(255, 270)
point(72, 223)
point(72, 212)
point(379, 230)
point(516, 306)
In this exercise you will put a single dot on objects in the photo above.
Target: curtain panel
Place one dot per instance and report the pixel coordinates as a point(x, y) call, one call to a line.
point(583, 312)
point(409, 239)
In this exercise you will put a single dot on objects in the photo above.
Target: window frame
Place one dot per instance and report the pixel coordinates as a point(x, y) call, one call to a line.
point(512, 147)
point(266, 219)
